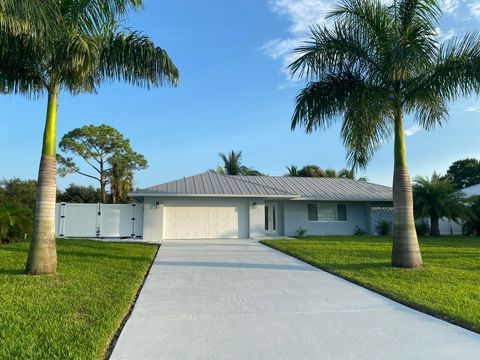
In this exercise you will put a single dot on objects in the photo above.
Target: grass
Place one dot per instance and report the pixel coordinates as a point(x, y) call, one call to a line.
point(448, 286)
point(75, 313)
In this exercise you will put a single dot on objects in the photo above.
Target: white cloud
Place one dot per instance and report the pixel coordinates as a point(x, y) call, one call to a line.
point(475, 8)
point(444, 36)
point(279, 48)
point(412, 130)
point(449, 6)
point(301, 14)
point(473, 109)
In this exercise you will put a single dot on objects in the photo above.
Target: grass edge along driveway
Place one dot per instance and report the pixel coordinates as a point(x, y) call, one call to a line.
point(75, 313)
point(447, 287)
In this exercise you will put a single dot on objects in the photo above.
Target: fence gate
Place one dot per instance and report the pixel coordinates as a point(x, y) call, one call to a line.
point(99, 220)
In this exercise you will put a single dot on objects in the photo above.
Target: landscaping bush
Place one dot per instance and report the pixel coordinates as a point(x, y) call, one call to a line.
point(300, 233)
point(15, 223)
point(383, 228)
point(471, 224)
point(359, 231)
point(422, 228)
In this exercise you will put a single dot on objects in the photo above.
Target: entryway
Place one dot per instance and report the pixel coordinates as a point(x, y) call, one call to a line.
point(271, 218)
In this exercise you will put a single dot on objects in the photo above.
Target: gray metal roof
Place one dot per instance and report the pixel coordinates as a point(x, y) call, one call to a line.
point(301, 188)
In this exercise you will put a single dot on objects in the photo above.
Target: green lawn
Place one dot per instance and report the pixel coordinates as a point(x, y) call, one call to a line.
point(74, 314)
point(448, 286)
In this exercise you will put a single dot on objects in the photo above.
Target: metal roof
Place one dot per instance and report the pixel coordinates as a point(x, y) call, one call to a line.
point(301, 188)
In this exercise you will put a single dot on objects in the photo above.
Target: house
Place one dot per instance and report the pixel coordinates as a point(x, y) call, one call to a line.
point(449, 227)
point(211, 205)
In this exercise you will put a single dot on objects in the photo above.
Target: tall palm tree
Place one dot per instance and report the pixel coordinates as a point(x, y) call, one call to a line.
point(81, 46)
point(437, 197)
point(374, 65)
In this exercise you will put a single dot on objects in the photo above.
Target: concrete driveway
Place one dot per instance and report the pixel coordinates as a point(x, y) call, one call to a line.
point(237, 299)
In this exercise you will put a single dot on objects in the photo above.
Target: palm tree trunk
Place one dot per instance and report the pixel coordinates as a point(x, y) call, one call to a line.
point(434, 225)
point(405, 251)
point(42, 258)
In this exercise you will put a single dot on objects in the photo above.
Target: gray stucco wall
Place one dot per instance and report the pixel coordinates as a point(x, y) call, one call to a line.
point(152, 220)
point(257, 218)
point(296, 215)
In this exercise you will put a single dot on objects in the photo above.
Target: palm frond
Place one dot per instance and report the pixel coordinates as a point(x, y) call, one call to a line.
point(133, 57)
point(320, 103)
point(367, 124)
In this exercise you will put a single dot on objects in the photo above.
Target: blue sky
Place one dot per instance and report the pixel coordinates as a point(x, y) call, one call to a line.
point(234, 94)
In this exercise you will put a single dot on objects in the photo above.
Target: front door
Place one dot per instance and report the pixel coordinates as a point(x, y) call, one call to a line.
point(271, 218)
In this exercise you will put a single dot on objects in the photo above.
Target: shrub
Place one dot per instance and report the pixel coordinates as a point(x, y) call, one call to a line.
point(471, 224)
point(300, 233)
point(383, 228)
point(359, 231)
point(15, 223)
point(422, 228)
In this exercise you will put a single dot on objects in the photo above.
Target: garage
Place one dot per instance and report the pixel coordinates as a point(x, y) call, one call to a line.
point(207, 219)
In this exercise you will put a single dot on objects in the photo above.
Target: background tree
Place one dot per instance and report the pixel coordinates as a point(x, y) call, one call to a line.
point(437, 197)
point(311, 171)
point(102, 148)
point(471, 222)
point(121, 179)
point(465, 172)
point(292, 170)
point(317, 171)
point(71, 45)
point(17, 192)
point(17, 205)
point(15, 223)
point(377, 62)
point(232, 165)
point(79, 194)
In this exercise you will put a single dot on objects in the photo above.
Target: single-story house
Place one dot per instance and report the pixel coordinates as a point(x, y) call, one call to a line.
point(211, 205)
point(449, 227)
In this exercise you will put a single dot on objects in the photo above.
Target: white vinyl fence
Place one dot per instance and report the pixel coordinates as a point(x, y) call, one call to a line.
point(99, 220)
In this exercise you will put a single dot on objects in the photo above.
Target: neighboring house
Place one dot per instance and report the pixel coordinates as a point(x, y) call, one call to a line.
point(449, 227)
point(211, 205)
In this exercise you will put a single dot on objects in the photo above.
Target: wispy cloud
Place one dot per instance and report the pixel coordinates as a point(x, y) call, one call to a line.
point(301, 14)
point(412, 130)
point(473, 109)
point(475, 8)
point(445, 35)
point(449, 6)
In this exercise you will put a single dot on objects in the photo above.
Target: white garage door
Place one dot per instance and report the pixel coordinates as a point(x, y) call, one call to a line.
point(201, 222)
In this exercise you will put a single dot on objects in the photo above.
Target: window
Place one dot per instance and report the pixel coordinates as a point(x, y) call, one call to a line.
point(312, 212)
point(327, 212)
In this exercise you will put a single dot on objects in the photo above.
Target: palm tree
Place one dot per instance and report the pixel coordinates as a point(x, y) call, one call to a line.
point(437, 197)
point(292, 170)
point(331, 173)
point(346, 174)
point(376, 63)
point(232, 165)
point(81, 46)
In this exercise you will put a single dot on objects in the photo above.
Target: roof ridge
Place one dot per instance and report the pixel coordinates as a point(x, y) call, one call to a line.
point(257, 184)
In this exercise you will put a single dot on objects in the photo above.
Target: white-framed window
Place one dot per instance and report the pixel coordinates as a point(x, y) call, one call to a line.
point(325, 212)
